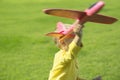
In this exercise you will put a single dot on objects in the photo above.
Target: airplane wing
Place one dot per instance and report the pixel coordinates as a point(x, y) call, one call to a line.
point(59, 35)
point(73, 14)
point(54, 34)
point(97, 18)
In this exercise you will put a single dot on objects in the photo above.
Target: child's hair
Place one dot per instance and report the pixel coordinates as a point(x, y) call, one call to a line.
point(64, 44)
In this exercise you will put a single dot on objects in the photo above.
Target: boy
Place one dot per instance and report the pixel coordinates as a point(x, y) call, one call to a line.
point(65, 62)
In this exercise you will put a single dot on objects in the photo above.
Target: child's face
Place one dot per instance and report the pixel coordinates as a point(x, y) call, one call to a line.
point(63, 45)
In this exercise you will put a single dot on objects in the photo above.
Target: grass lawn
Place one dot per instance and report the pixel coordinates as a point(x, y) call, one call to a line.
point(26, 54)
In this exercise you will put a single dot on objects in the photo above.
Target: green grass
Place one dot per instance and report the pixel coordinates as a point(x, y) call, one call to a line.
point(26, 54)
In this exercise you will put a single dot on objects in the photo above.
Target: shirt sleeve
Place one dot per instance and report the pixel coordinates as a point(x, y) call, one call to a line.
point(72, 52)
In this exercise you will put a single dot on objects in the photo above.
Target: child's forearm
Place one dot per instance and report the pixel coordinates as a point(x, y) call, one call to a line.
point(77, 40)
point(78, 35)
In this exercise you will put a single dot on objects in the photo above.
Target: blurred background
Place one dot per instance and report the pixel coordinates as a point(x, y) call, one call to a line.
point(27, 54)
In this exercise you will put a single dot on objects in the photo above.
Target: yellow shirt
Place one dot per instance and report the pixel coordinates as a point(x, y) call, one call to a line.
point(65, 66)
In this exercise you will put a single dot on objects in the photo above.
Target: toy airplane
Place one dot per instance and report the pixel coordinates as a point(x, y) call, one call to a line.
point(89, 15)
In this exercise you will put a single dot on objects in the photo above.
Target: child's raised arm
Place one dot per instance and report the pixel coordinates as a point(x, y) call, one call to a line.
point(78, 35)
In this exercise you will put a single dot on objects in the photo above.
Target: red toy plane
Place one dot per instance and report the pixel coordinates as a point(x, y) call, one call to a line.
point(81, 17)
